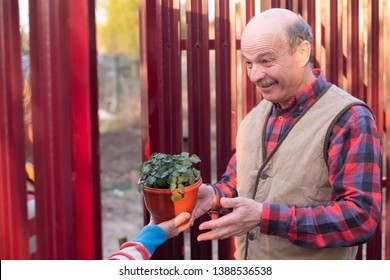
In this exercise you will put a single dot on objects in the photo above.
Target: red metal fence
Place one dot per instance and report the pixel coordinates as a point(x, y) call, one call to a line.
point(64, 116)
point(351, 45)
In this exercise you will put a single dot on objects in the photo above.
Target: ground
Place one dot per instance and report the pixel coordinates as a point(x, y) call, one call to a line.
point(122, 207)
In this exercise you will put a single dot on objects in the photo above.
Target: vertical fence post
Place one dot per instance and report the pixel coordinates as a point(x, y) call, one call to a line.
point(198, 81)
point(353, 68)
point(309, 11)
point(332, 46)
point(386, 48)
point(51, 108)
point(13, 197)
point(375, 244)
point(250, 95)
point(226, 95)
point(64, 111)
point(226, 82)
point(85, 129)
point(148, 75)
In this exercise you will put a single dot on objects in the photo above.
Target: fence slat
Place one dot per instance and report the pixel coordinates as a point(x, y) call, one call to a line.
point(85, 130)
point(50, 84)
point(13, 201)
point(226, 83)
point(226, 92)
point(353, 48)
point(148, 76)
point(168, 65)
point(198, 81)
point(386, 90)
point(308, 13)
point(332, 46)
point(250, 95)
point(374, 99)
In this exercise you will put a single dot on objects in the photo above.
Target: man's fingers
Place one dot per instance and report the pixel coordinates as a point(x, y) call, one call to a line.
point(210, 235)
point(230, 202)
point(217, 223)
point(217, 234)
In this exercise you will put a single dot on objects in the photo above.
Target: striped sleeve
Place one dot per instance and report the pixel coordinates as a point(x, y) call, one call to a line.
point(131, 251)
point(142, 246)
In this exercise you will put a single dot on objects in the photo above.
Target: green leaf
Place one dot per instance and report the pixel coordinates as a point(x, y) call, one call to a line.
point(172, 187)
point(180, 188)
point(194, 158)
point(184, 154)
point(176, 197)
point(165, 174)
point(184, 169)
point(140, 187)
point(150, 181)
point(197, 174)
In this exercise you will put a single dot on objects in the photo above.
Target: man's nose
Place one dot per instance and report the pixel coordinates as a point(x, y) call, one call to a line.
point(256, 73)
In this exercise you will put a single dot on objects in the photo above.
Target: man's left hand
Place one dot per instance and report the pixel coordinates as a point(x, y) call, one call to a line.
point(246, 215)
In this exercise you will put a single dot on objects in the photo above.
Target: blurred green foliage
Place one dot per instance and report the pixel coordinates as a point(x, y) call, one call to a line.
point(120, 33)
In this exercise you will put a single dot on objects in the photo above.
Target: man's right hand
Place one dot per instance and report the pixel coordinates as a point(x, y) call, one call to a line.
point(206, 200)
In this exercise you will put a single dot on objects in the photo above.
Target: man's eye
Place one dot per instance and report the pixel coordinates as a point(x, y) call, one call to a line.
point(249, 64)
point(266, 61)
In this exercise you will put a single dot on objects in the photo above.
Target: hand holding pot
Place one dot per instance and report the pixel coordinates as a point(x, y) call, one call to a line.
point(205, 201)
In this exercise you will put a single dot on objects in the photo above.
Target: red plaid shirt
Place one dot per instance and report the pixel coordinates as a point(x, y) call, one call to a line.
point(351, 215)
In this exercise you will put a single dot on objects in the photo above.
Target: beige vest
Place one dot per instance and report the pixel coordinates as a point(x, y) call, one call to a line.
point(295, 173)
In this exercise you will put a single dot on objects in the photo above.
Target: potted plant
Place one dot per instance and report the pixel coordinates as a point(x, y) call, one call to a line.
point(170, 184)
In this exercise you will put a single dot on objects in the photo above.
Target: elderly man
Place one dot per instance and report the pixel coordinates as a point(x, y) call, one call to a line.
point(305, 180)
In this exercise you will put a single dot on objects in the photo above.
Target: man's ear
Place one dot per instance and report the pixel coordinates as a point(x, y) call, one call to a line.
point(304, 52)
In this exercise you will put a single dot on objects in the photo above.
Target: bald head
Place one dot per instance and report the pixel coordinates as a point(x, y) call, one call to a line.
point(281, 23)
point(275, 18)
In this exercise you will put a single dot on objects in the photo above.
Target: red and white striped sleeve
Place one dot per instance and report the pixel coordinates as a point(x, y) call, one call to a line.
point(131, 251)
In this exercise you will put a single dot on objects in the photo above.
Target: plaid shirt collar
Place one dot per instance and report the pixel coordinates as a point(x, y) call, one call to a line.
point(301, 98)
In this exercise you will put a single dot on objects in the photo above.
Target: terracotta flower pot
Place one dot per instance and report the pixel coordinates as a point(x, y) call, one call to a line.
point(162, 208)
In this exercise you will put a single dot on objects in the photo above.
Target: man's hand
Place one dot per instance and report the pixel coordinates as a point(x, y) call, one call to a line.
point(246, 215)
point(205, 201)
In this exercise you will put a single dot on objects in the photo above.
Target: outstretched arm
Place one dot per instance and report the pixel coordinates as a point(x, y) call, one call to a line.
point(151, 236)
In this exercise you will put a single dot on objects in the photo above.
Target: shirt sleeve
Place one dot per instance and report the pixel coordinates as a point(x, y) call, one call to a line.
point(226, 187)
point(131, 251)
point(142, 246)
point(351, 215)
